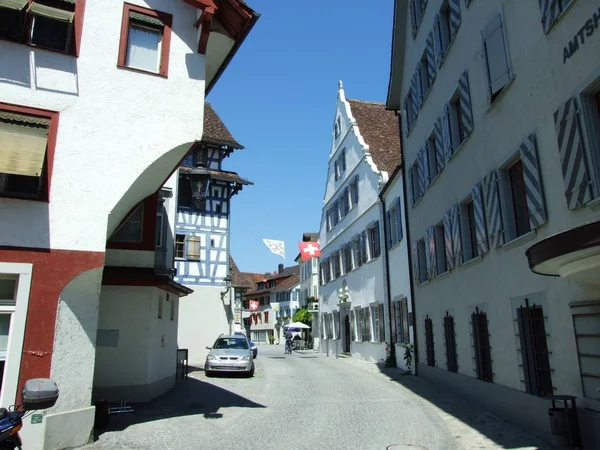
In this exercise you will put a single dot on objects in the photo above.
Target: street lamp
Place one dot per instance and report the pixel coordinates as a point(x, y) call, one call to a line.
point(227, 281)
point(343, 294)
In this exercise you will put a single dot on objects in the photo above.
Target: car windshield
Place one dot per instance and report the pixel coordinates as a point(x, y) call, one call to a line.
point(235, 343)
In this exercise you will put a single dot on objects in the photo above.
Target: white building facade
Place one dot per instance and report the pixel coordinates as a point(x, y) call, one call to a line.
point(99, 101)
point(353, 306)
point(500, 123)
point(309, 287)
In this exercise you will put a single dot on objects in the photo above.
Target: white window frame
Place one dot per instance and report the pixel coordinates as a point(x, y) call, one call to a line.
point(12, 365)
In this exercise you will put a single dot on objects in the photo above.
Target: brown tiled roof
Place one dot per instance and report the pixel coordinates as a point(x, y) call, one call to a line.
point(215, 130)
point(310, 237)
point(380, 130)
point(224, 175)
point(242, 279)
point(288, 283)
point(287, 272)
point(292, 272)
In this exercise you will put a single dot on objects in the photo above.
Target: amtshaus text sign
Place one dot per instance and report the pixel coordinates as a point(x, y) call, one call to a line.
point(586, 30)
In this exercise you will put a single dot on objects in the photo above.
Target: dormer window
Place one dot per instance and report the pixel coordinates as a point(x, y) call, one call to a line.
point(337, 128)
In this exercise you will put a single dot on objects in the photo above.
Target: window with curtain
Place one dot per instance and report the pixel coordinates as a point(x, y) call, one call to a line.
point(144, 42)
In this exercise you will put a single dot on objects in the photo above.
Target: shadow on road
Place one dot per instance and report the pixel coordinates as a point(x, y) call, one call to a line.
point(506, 435)
point(189, 397)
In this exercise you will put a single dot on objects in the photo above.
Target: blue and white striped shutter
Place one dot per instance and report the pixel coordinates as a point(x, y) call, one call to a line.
point(427, 255)
point(430, 250)
point(534, 190)
point(413, 23)
point(426, 173)
point(493, 209)
point(466, 113)
point(430, 54)
point(437, 41)
point(421, 164)
point(455, 18)
point(550, 10)
point(419, 85)
point(448, 239)
point(414, 97)
point(457, 248)
point(480, 230)
point(439, 144)
point(447, 133)
point(415, 261)
point(572, 155)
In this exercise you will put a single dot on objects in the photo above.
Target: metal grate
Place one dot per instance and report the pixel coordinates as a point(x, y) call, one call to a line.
point(481, 340)
point(450, 343)
point(429, 341)
point(534, 349)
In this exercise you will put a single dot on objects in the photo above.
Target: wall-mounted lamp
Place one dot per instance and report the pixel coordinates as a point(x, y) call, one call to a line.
point(343, 294)
point(227, 281)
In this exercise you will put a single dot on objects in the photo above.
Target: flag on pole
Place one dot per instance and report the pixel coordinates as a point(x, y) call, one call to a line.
point(309, 250)
point(253, 304)
point(277, 247)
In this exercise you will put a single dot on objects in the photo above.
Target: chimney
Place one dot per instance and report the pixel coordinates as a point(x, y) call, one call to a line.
point(280, 267)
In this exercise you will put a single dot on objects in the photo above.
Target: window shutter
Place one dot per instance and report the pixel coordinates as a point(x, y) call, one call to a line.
point(365, 246)
point(193, 247)
point(356, 189)
point(572, 155)
point(467, 3)
point(415, 261)
point(455, 18)
point(411, 177)
point(430, 253)
point(456, 236)
point(414, 97)
point(421, 169)
point(437, 41)
point(550, 10)
point(493, 209)
point(377, 243)
point(533, 183)
point(394, 323)
point(405, 323)
point(413, 21)
point(447, 133)
point(388, 231)
point(419, 86)
point(448, 240)
point(399, 220)
point(494, 49)
point(466, 113)
point(439, 144)
point(430, 54)
point(381, 322)
point(482, 243)
point(23, 144)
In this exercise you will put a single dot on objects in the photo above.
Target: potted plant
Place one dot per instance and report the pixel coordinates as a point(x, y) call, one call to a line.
point(271, 339)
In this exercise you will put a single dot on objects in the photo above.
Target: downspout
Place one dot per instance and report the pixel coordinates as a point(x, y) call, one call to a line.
point(408, 250)
point(386, 259)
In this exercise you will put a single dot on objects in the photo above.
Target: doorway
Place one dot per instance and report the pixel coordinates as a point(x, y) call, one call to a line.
point(347, 334)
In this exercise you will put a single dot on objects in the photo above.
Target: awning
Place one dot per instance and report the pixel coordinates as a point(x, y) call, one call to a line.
point(13, 4)
point(51, 13)
point(142, 276)
point(22, 144)
point(146, 19)
point(573, 254)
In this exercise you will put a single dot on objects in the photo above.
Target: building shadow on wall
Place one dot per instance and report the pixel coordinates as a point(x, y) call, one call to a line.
point(504, 434)
point(190, 397)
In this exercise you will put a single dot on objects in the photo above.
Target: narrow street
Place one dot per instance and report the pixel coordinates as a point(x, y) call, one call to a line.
point(310, 401)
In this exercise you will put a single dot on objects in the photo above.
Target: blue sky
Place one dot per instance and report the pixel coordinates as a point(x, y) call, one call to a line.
point(277, 97)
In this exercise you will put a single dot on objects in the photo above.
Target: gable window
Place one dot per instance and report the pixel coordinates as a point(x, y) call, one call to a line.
point(495, 51)
point(50, 24)
point(180, 246)
point(193, 248)
point(337, 128)
point(131, 229)
point(28, 136)
point(145, 40)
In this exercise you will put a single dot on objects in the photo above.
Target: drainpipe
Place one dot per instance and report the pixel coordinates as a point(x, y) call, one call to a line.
point(409, 249)
point(386, 261)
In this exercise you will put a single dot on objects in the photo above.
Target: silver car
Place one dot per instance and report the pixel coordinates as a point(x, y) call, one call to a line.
point(229, 354)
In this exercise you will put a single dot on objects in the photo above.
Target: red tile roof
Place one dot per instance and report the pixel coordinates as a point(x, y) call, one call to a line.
point(242, 279)
point(380, 130)
point(215, 130)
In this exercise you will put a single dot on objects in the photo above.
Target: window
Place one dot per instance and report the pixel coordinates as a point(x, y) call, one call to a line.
point(442, 33)
point(347, 252)
point(189, 160)
point(432, 157)
point(551, 10)
point(193, 248)
point(51, 24)
point(519, 209)
point(429, 346)
point(378, 322)
point(481, 345)
point(440, 248)
point(266, 313)
point(337, 128)
point(422, 263)
point(28, 136)
point(180, 246)
point(335, 258)
point(145, 40)
point(354, 192)
point(495, 57)
point(212, 243)
point(468, 230)
point(336, 170)
point(450, 343)
point(172, 309)
point(534, 349)
point(131, 229)
point(374, 240)
point(394, 220)
point(458, 130)
point(424, 73)
point(401, 322)
point(159, 234)
point(192, 192)
point(416, 14)
point(160, 306)
point(366, 325)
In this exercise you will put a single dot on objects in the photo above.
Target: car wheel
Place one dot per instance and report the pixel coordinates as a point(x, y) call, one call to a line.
point(208, 373)
point(251, 372)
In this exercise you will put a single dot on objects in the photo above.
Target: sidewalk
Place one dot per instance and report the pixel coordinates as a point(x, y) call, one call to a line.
point(472, 427)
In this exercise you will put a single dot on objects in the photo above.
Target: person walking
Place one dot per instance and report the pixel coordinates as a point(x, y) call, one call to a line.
point(288, 341)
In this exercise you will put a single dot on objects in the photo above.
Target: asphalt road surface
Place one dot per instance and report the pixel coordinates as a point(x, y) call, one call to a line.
point(309, 401)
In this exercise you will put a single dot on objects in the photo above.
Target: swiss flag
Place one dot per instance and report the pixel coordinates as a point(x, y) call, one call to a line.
point(309, 250)
point(253, 305)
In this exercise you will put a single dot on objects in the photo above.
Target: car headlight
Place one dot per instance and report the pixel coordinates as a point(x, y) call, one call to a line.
point(246, 358)
point(209, 357)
